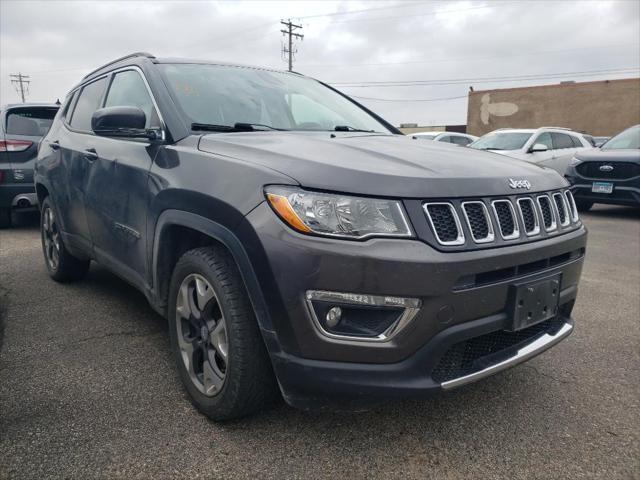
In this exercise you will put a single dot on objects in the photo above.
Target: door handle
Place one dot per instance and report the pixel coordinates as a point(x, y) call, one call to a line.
point(55, 145)
point(90, 154)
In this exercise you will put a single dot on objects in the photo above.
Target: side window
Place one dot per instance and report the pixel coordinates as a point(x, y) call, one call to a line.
point(445, 138)
point(462, 141)
point(561, 140)
point(129, 90)
point(544, 139)
point(576, 142)
point(88, 102)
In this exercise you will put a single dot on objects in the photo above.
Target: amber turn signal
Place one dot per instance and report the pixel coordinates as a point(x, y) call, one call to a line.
point(282, 207)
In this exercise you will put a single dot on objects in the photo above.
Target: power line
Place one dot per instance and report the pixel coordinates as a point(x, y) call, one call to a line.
point(466, 59)
point(409, 99)
point(21, 83)
point(289, 51)
point(456, 81)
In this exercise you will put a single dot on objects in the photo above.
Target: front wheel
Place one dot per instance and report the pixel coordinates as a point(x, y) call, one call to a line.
point(220, 355)
point(61, 265)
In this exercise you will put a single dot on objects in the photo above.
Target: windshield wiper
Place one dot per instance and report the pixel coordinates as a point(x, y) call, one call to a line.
point(347, 128)
point(236, 127)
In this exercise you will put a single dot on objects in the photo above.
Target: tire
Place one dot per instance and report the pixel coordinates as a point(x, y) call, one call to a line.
point(583, 206)
point(5, 217)
point(220, 355)
point(62, 266)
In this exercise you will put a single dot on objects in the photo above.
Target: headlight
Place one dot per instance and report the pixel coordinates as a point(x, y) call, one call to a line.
point(338, 215)
point(574, 161)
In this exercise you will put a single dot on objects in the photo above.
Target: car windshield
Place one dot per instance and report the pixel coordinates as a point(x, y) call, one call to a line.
point(629, 139)
point(501, 141)
point(221, 96)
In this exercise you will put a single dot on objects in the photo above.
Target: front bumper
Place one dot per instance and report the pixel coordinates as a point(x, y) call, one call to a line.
point(464, 295)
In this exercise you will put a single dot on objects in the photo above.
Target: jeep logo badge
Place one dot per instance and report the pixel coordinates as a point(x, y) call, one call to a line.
point(519, 183)
point(606, 168)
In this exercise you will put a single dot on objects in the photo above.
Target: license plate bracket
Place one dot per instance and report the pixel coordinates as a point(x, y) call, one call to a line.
point(534, 301)
point(602, 187)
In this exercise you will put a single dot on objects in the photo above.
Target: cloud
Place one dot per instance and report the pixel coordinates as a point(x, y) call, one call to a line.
point(56, 43)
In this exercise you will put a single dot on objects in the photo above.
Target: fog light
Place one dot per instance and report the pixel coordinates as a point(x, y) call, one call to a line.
point(334, 316)
point(354, 316)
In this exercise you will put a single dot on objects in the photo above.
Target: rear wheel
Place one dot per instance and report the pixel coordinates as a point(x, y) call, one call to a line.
point(5, 217)
point(219, 351)
point(62, 266)
point(583, 206)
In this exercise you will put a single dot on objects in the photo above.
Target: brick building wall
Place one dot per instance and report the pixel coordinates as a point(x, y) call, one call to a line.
point(599, 108)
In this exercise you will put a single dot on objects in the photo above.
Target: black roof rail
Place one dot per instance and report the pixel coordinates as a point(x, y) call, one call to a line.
point(131, 55)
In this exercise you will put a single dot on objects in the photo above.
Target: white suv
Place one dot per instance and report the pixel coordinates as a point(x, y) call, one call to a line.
point(461, 139)
point(551, 147)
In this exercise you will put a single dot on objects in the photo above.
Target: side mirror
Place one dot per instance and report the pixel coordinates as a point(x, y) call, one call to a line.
point(126, 122)
point(539, 147)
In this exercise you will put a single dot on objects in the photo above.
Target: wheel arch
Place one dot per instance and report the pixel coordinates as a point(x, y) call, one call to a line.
point(178, 231)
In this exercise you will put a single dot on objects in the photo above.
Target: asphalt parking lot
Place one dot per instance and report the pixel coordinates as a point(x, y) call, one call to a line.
point(88, 389)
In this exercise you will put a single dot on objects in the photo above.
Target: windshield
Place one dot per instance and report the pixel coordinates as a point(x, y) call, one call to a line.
point(226, 95)
point(630, 138)
point(501, 141)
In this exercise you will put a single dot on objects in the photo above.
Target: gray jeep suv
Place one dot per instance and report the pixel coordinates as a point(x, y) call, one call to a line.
point(296, 242)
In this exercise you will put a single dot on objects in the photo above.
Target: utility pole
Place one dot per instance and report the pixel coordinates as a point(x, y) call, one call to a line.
point(289, 51)
point(21, 83)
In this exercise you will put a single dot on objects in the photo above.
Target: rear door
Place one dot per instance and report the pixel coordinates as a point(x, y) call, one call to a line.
point(22, 129)
point(564, 146)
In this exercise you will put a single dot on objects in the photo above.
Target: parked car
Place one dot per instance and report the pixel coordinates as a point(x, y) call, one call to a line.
point(22, 126)
point(599, 141)
point(609, 174)
point(456, 138)
point(551, 147)
point(297, 242)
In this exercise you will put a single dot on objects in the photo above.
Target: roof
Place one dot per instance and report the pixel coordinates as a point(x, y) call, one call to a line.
point(34, 104)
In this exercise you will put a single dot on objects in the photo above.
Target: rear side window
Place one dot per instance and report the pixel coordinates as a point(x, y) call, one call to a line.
point(458, 140)
point(576, 142)
point(31, 121)
point(129, 90)
point(561, 140)
point(88, 102)
point(545, 139)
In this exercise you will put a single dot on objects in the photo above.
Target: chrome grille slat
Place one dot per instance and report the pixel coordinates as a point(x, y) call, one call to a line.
point(529, 216)
point(507, 222)
point(547, 211)
point(440, 222)
point(561, 209)
point(572, 205)
point(478, 221)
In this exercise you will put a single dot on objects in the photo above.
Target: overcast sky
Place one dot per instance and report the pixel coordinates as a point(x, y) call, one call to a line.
point(452, 44)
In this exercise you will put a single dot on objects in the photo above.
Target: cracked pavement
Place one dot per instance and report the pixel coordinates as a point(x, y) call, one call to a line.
point(88, 390)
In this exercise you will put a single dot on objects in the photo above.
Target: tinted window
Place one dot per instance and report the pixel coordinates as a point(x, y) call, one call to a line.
point(33, 121)
point(463, 141)
point(576, 142)
point(560, 140)
point(589, 139)
point(629, 139)
point(502, 141)
point(225, 95)
point(129, 90)
point(88, 102)
point(445, 139)
point(545, 139)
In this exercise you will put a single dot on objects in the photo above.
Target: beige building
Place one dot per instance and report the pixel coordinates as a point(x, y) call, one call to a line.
point(600, 108)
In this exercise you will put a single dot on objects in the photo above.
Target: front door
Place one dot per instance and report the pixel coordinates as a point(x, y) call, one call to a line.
point(117, 191)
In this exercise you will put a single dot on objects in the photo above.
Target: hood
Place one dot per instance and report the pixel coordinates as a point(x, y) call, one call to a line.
point(598, 155)
point(381, 164)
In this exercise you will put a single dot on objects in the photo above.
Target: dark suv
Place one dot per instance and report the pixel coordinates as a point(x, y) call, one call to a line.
point(22, 126)
point(296, 242)
point(609, 174)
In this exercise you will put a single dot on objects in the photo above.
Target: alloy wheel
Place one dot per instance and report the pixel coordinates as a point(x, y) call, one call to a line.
point(202, 334)
point(51, 238)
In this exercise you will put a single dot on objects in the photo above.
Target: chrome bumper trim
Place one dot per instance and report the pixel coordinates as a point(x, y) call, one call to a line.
point(525, 353)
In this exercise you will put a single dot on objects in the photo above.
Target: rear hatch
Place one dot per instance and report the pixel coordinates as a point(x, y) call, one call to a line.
point(22, 129)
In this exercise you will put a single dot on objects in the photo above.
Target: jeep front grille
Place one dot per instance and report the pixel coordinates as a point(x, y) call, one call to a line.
point(474, 222)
